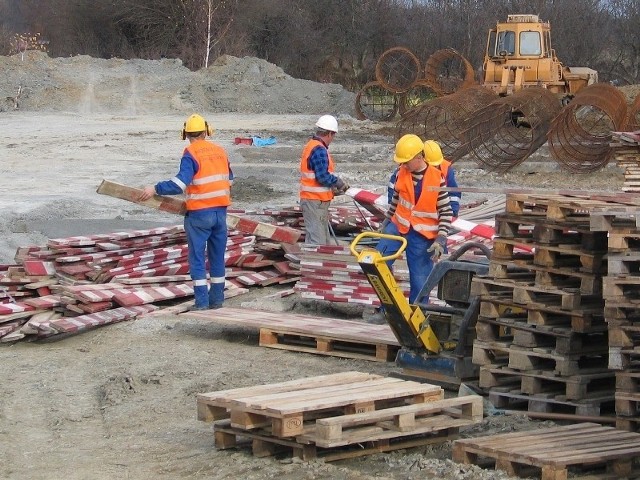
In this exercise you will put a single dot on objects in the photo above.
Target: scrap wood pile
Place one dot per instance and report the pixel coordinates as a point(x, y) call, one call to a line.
point(546, 316)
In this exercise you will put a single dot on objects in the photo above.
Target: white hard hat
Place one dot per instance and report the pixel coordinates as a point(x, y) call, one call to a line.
point(328, 122)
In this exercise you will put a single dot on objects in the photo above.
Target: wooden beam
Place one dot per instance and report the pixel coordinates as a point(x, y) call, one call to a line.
point(177, 206)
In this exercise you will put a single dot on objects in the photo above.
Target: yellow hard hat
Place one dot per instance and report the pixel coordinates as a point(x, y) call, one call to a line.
point(408, 147)
point(433, 153)
point(195, 123)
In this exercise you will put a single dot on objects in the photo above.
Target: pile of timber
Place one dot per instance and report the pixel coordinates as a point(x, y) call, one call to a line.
point(626, 153)
point(336, 416)
point(621, 293)
point(542, 339)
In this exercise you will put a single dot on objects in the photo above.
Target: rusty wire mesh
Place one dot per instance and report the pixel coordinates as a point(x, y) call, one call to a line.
point(448, 71)
point(442, 119)
point(504, 133)
point(633, 121)
point(580, 135)
point(398, 69)
point(375, 102)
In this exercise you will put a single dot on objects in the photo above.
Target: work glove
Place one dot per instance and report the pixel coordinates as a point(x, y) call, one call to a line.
point(437, 247)
point(340, 186)
point(383, 225)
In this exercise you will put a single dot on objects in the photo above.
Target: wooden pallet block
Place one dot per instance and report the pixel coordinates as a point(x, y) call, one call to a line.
point(554, 450)
point(628, 381)
point(627, 404)
point(322, 345)
point(285, 406)
point(622, 289)
point(574, 387)
point(508, 398)
point(621, 358)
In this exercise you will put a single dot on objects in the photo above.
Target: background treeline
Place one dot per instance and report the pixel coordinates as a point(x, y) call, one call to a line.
point(322, 40)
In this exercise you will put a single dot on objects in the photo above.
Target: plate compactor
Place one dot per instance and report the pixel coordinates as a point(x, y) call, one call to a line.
point(436, 340)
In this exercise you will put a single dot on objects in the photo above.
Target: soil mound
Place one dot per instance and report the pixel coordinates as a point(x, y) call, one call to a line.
point(86, 85)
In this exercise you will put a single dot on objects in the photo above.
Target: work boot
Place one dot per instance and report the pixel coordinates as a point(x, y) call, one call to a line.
point(376, 318)
point(194, 308)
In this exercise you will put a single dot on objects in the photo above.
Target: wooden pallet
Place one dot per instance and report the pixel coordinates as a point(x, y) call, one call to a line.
point(526, 271)
point(323, 345)
point(533, 228)
point(436, 421)
point(562, 340)
point(286, 406)
point(528, 293)
point(264, 444)
point(553, 451)
point(587, 319)
point(576, 387)
point(557, 207)
point(526, 359)
point(561, 256)
point(515, 399)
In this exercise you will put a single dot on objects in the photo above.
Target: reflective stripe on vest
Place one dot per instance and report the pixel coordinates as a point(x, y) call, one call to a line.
point(210, 186)
point(423, 216)
point(310, 188)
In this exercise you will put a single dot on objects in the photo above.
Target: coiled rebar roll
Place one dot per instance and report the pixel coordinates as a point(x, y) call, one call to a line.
point(442, 119)
point(579, 137)
point(504, 133)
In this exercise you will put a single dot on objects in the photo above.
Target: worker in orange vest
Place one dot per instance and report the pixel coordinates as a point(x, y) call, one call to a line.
point(205, 177)
point(318, 184)
point(434, 157)
point(421, 216)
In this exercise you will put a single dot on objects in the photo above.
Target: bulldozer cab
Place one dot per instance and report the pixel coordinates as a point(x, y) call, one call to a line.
point(519, 55)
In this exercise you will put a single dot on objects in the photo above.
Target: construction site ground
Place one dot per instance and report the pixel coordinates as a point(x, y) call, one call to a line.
point(120, 401)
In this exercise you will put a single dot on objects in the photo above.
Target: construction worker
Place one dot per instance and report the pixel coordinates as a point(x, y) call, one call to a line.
point(318, 184)
point(434, 157)
point(205, 177)
point(421, 216)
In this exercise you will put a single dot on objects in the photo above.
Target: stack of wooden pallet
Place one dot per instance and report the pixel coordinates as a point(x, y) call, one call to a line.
point(626, 151)
point(541, 334)
point(622, 308)
point(336, 416)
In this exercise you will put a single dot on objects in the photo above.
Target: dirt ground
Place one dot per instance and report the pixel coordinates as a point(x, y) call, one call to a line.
point(119, 402)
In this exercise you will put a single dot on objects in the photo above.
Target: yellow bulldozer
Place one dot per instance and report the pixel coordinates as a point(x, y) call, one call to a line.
point(519, 55)
point(524, 98)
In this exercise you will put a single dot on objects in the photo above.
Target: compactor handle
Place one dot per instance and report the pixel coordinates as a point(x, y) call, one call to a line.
point(355, 241)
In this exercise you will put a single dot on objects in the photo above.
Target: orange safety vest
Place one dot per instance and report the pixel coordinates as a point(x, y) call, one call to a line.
point(310, 188)
point(423, 216)
point(210, 186)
